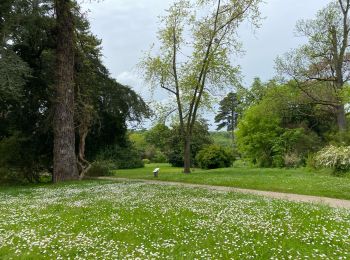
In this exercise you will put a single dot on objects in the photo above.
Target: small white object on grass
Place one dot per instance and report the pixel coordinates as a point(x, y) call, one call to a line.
point(155, 172)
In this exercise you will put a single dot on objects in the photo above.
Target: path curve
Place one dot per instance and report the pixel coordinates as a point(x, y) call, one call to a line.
point(336, 203)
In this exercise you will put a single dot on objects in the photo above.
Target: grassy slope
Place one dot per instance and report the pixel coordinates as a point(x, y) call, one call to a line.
point(105, 220)
point(297, 181)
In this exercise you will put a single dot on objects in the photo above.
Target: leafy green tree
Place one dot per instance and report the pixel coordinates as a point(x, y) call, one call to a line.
point(201, 138)
point(323, 62)
point(102, 108)
point(158, 136)
point(257, 133)
point(13, 70)
point(13, 74)
point(191, 79)
point(280, 127)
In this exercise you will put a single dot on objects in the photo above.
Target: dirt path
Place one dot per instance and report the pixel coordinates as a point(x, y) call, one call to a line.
point(336, 203)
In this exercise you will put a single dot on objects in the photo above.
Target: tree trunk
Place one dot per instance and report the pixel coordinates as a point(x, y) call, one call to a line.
point(64, 159)
point(341, 118)
point(187, 155)
point(83, 165)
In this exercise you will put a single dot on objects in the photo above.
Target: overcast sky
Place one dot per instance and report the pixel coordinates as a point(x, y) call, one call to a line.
point(128, 28)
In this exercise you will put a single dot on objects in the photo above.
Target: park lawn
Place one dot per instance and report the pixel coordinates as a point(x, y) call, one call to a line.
point(299, 181)
point(133, 220)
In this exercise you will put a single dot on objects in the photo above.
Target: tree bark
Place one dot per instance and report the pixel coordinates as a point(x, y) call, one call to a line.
point(341, 118)
point(187, 155)
point(64, 158)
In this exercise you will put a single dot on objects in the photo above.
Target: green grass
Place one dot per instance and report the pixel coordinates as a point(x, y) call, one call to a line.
point(110, 220)
point(299, 181)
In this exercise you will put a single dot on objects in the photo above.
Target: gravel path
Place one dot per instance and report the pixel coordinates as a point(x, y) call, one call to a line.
point(336, 203)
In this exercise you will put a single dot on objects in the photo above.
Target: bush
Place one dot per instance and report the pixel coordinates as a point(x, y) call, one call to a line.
point(214, 156)
point(146, 161)
point(11, 176)
point(19, 159)
point(121, 157)
point(175, 158)
point(336, 158)
point(292, 160)
point(159, 157)
point(311, 161)
point(99, 168)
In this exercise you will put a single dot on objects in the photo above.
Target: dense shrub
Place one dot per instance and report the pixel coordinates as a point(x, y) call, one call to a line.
point(99, 168)
point(175, 157)
point(146, 161)
point(292, 160)
point(336, 158)
point(159, 157)
point(19, 159)
point(214, 156)
point(121, 157)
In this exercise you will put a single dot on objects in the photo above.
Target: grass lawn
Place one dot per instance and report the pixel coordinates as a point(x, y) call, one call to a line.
point(298, 181)
point(108, 220)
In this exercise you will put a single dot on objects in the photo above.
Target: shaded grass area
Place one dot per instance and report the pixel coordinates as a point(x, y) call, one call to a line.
point(299, 181)
point(107, 220)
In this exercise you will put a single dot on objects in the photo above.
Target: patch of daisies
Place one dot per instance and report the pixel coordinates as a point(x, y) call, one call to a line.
point(104, 220)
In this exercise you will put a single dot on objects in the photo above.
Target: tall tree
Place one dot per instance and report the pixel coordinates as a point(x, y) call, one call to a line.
point(228, 114)
point(64, 161)
point(324, 61)
point(191, 79)
point(102, 107)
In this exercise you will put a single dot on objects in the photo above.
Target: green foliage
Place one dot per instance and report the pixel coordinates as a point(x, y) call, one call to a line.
point(146, 161)
point(257, 133)
point(311, 162)
point(19, 159)
point(137, 138)
point(13, 74)
point(280, 129)
point(159, 157)
point(120, 157)
point(176, 158)
point(158, 136)
point(27, 71)
point(228, 112)
point(213, 157)
point(337, 138)
point(327, 36)
point(99, 168)
point(336, 158)
point(221, 138)
point(207, 68)
point(200, 138)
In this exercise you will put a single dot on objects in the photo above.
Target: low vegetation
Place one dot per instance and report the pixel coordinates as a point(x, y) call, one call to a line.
point(336, 158)
point(105, 220)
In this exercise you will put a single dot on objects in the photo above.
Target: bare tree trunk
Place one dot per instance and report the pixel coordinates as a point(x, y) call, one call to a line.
point(83, 165)
point(64, 159)
point(341, 118)
point(187, 155)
